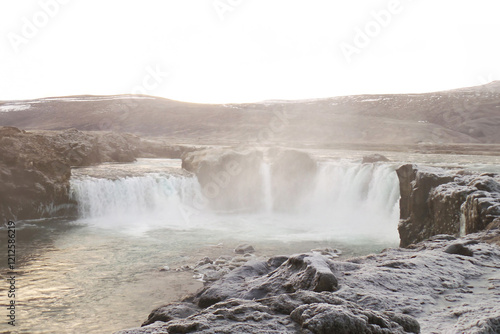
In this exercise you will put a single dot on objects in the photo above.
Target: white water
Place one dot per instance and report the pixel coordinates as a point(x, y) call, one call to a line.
point(265, 171)
point(139, 203)
point(353, 199)
point(346, 201)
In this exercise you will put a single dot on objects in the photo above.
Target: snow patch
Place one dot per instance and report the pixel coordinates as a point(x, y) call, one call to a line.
point(95, 99)
point(14, 107)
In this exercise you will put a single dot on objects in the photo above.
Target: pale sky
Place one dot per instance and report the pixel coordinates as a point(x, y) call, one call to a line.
point(218, 51)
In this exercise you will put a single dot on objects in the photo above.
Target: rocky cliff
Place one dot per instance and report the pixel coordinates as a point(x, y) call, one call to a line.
point(35, 167)
point(438, 201)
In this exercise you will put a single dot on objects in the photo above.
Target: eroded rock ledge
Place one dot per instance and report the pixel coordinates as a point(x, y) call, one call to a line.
point(434, 287)
point(438, 201)
point(35, 167)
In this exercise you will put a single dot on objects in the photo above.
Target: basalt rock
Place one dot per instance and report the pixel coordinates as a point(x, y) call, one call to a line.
point(372, 158)
point(229, 179)
point(34, 180)
point(292, 173)
point(170, 312)
point(232, 180)
point(228, 317)
point(433, 288)
point(35, 167)
point(458, 249)
point(162, 148)
point(243, 316)
point(83, 148)
point(327, 318)
point(437, 201)
point(244, 249)
point(257, 279)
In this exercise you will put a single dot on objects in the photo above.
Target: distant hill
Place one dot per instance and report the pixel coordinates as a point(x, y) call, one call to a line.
point(468, 115)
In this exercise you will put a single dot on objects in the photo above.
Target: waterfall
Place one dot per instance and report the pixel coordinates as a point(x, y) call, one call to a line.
point(343, 199)
point(157, 199)
point(353, 198)
point(267, 195)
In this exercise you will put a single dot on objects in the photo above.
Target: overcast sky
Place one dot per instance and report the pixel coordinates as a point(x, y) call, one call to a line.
point(220, 51)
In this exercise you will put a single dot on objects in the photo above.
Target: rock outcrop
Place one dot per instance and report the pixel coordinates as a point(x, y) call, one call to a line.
point(292, 174)
point(35, 167)
point(260, 279)
point(34, 180)
point(162, 148)
point(229, 179)
point(372, 158)
point(441, 285)
point(438, 201)
point(233, 180)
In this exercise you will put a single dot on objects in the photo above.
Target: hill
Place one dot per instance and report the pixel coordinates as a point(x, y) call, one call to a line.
point(462, 116)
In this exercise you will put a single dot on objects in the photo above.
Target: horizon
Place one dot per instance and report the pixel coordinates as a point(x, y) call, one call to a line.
point(248, 102)
point(221, 51)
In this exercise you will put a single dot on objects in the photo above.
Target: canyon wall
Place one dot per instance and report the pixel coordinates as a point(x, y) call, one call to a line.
point(438, 201)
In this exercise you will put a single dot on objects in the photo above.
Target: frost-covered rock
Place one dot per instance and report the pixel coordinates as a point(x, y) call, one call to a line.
point(433, 287)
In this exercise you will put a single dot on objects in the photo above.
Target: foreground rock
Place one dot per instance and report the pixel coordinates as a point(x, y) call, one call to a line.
point(35, 167)
point(437, 201)
point(434, 287)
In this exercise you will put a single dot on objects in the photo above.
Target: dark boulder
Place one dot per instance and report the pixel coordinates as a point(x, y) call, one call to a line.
point(244, 249)
point(170, 312)
point(458, 249)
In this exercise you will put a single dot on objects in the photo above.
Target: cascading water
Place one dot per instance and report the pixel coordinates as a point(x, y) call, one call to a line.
point(151, 200)
point(265, 170)
point(356, 199)
point(345, 200)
